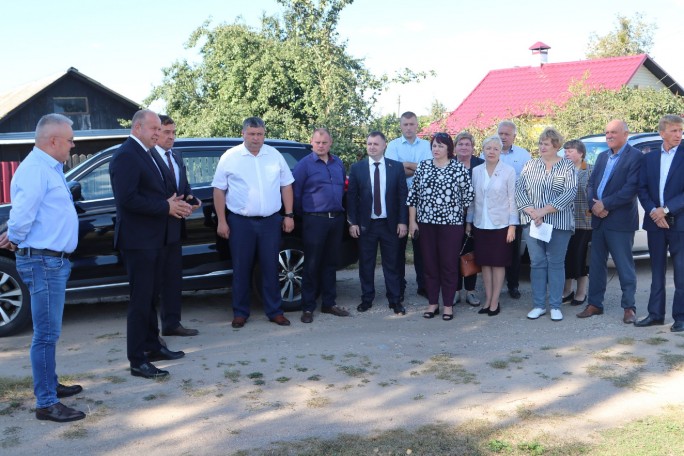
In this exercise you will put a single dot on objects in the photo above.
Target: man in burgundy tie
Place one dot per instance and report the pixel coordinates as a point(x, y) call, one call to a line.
point(172, 276)
point(378, 215)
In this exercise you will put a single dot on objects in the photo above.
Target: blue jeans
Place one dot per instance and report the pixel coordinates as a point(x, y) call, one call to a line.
point(548, 267)
point(46, 279)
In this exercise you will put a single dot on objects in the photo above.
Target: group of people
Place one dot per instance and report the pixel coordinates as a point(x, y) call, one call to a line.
point(437, 193)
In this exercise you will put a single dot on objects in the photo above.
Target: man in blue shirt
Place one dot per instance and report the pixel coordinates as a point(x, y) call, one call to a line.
point(318, 191)
point(43, 232)
point(409, 150)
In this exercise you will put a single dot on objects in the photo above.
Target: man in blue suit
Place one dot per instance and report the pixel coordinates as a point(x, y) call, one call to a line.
point(378, 215)
point(148, 215)
point(661, 192)
point(611, 193)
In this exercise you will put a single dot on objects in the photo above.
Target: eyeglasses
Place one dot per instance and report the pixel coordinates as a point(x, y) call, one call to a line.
point(69, 140)
point(441, 135)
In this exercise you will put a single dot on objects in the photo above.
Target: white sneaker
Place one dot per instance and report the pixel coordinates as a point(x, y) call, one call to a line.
point(536, 313)
point(472, 299)
point(556, 315)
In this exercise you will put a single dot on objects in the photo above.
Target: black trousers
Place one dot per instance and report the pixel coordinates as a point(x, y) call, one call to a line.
point(171, 286)
point(513, 271)
point(379, 233)
point(322, 245)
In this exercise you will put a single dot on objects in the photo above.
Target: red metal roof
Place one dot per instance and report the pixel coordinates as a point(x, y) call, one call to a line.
point(508, 93)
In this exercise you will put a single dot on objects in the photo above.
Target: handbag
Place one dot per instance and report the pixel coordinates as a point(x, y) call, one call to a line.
point(468, 265)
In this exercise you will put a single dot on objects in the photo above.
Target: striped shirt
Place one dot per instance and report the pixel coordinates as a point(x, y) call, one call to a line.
point(536, 188)
point(582, 220)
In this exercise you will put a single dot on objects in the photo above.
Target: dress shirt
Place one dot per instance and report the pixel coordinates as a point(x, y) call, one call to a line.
point(383, 185)
point(162, 154)
point(319, 186)
point(252, 183)
point(666, 159)
point(613, 160)
point(516, 157)
point(403, 151)
point(43, 215)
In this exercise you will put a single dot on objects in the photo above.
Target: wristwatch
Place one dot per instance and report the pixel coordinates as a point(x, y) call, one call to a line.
point(289, 214)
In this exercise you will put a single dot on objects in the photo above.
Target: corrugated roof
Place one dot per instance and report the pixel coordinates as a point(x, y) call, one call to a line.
point(508, 93)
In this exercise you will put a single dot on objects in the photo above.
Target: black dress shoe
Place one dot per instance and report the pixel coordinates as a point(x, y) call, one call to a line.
point(307, 317)
point(649, 321)
point(514, 293)
point(148, 370)
point(59, 413)
point(180, 331)
point(399, 309)
point(364, 306)
point(66, 391)
point(164, 354)
point(677, 327)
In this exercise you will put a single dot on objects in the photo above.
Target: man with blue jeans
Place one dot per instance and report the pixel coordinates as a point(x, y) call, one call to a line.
point(612, 197)
point(43, 231)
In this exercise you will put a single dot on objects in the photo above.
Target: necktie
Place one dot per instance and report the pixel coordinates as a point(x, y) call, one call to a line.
point(168, 161)
point(377, 204)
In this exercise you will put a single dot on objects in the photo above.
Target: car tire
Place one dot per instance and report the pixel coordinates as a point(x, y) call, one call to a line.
point(15, 300)
point(290, 269)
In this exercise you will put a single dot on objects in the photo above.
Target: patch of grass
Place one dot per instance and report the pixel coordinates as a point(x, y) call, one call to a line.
point(149, 397)
point(497, 446)
point(314, 378)
point(76, 432)
point(656, 340)
point(626, 341)
point(352, 371)
point(328, 357)
point(12, 389)
point(444, 367)
point(650, 436)
point(532, 448)
point(302, 369)
point(318, 402)
point(672, 361)
point(243, 363)
point(525, 411)
point(115, 379)
point(416, 361)
point(259, 382)
point(418, 397)
point(283, 379)
point(624, 357)
point(547, 347)
point(619, 376)
point(12, 407)
point(10, 437)
point(517, 359)
point(498, 364)
point(232, 375)
point(255, 375)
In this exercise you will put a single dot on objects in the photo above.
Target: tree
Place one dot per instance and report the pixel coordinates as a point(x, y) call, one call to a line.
point(631, 36)
point(292, 71)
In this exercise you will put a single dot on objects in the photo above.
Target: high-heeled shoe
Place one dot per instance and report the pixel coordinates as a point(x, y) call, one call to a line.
point(493, 313)
point(448, 317)
point(484, 310)
point(569, 298)
point(429, 314)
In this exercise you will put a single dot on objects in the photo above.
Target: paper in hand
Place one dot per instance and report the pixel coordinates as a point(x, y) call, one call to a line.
point(542, 232)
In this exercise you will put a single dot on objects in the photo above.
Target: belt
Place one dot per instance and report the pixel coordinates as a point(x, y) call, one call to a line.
point(257, 217)
point(325, 214)
point(28, 251)
point(384, 219)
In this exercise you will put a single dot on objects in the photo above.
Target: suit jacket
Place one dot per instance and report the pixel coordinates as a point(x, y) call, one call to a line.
point(649, 188)
point(501, 206)
point(360, 194)
point(619, 196)
point(183, 187)
point(140, 194)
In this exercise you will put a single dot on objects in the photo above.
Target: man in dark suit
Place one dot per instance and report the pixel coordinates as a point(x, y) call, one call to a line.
point(611, 194)
point(171, 290)
point(661, 192)
point(378, 215)
point(148, 214)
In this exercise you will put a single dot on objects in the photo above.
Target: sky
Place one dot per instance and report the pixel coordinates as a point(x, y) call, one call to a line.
point(125, 44)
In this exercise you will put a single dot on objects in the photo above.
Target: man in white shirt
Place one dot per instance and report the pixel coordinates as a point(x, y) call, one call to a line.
point(249, 183)
point(409, 150)
point(516, 157)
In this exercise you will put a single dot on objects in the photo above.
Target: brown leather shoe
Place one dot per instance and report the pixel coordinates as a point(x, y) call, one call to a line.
point(590, 311)
point(67, 391)
point(280, 320)
point(238, 322)
point(180, 331)
point(337, 311)
point(59, 413)
point(307, 317)
point(630, 317)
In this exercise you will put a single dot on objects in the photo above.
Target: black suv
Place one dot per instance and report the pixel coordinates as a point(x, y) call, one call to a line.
point(98, 271)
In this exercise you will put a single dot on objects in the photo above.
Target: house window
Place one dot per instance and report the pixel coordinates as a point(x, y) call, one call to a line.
point(71, 105)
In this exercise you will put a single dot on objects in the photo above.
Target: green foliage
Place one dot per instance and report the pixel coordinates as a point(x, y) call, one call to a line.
point(292, 71)
point(631, 36)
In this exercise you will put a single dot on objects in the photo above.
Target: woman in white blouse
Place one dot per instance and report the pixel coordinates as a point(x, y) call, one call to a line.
point(495, 216)
point(545, 193)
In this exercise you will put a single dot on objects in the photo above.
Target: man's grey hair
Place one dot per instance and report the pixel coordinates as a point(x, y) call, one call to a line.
point(508, 123)
point(669, 119)
point(139, 117)
point(494, 139)
point(253, 122)
point(50, 120)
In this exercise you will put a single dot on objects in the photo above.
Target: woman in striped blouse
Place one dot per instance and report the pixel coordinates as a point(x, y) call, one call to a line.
point(545, 193)
point(576, 259)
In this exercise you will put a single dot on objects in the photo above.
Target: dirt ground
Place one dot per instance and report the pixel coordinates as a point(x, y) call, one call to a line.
point(240, 389)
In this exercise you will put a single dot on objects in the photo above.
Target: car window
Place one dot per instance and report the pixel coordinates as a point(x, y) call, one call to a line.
point(96, 184)
point(649, 146)
point(200, 169)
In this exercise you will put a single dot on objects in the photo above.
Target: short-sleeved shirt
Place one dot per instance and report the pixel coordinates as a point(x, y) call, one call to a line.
point(252, 182)
point(403, 151)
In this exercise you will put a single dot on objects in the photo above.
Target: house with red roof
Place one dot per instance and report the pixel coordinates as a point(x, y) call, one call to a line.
point(511, 92)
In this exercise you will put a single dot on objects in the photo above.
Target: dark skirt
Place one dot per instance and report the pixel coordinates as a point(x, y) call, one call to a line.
point(576, 256)
point(491, 248)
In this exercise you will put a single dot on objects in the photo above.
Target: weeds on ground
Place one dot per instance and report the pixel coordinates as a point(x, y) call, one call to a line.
point(444, 367)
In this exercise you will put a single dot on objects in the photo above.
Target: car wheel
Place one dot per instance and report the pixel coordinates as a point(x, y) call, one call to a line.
point(290, 269)
point(15, 300)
